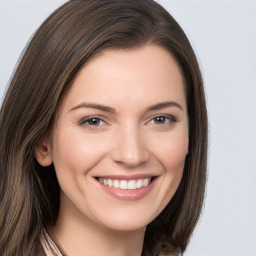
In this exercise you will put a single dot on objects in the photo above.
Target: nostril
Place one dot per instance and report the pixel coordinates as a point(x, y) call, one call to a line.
point(130, 161)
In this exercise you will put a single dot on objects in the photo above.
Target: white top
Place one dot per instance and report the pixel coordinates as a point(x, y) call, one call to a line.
point(49, 246)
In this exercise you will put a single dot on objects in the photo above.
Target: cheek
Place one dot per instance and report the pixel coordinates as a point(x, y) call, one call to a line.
point(171, 154)
point(174, 158)
point(171, 149)
point(174, 155)
point(76, 153)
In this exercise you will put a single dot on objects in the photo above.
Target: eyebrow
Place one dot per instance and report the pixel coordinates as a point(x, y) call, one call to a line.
point(165, 105)
point(113, 111)
point(96, 106)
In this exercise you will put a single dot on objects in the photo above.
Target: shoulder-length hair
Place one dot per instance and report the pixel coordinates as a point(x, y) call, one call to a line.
point(72, 35)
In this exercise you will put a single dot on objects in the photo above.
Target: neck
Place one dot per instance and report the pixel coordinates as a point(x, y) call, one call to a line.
point(75, 234)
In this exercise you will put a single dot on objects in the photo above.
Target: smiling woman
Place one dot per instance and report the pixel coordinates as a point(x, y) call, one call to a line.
point(110, 154)
point(129, 143)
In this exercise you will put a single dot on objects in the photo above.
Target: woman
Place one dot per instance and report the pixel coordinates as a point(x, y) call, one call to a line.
point(103, 135)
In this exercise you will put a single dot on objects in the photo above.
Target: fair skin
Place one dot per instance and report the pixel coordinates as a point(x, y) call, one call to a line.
point(124, 122)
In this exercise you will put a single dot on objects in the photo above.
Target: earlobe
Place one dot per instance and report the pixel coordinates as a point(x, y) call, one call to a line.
point(42, 153)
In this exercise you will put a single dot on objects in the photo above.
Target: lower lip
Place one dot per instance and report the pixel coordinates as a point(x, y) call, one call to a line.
point(128, 194)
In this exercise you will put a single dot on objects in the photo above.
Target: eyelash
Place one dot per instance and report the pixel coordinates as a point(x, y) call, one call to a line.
point(85, 121)
point(99, 120)
point(170, 118)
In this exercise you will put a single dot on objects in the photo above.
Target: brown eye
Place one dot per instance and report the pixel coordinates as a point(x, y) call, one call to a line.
point(93, 121)
point(160, 120)
point(163, 120)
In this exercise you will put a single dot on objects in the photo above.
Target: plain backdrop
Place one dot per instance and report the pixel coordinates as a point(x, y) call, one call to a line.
point(223, 34)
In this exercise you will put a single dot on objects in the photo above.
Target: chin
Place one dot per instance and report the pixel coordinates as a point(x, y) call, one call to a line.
point(128, 219)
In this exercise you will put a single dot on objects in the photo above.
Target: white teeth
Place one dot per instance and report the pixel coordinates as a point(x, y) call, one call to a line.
point(116, 184)
point(131, 184)
point(145, 182)
point(110, 183)
point(139, 184)
point(125, 184)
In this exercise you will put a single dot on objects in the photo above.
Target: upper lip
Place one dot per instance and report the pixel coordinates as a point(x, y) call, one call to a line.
point(126, 177)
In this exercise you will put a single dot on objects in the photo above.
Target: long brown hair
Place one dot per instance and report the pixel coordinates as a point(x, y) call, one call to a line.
point(29, 193)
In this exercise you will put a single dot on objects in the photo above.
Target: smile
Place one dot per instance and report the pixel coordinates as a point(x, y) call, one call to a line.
point(127, 188)
point(126, 184)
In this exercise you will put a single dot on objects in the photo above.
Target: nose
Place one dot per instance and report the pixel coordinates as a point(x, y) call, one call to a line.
point(129, 147)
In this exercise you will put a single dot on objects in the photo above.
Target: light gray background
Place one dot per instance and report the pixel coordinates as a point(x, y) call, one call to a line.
point(223, 34)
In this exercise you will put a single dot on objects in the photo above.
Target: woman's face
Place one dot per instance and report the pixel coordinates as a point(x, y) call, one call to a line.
point(121, 138)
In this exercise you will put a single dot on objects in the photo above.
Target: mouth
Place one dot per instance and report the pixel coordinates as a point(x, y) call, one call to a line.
point(128, 188)
point(125, 184)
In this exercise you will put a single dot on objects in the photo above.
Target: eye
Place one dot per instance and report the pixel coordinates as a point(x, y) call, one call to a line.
point(160, 120)
point(92, 121)
point(163, 120)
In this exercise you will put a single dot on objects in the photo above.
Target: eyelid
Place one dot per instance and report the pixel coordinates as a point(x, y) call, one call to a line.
point(172, 118)
point(85, 119)
point(82, 121)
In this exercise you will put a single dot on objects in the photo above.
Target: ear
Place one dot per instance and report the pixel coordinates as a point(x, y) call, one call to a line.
point(42, 153)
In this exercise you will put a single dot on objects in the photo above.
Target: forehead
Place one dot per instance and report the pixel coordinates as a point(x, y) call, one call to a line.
point(140, 75)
